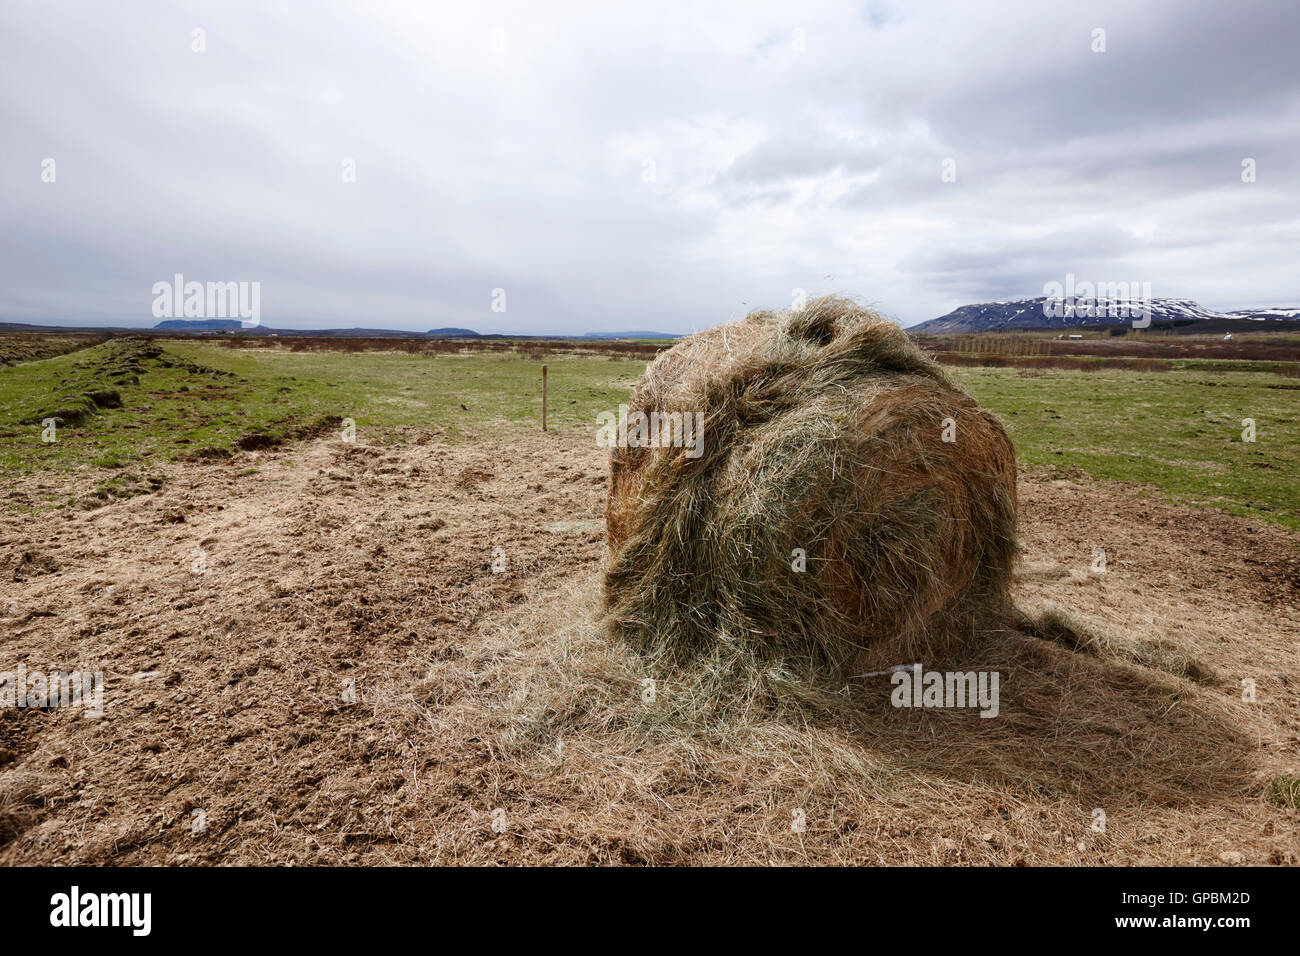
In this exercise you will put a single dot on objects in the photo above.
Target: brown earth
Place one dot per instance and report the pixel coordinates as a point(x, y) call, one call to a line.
point(351, 681)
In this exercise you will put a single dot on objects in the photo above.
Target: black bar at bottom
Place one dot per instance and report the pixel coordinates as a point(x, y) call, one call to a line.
point(342, 906)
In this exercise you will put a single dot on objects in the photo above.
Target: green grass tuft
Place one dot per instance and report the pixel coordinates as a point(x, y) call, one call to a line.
point(1284, 790)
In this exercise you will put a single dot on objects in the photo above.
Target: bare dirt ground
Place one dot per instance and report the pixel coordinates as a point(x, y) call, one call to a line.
point(350, 681)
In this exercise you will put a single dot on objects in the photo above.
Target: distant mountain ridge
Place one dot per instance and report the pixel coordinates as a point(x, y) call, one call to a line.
point(234, 325)
point(1031, 314)
point(451, 332)
point(1277, 313)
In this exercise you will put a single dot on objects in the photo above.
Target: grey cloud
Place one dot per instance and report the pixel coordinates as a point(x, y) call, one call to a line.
point(776, 168)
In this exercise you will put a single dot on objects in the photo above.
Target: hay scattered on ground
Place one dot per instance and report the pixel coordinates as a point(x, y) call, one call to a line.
point(1053, 623)
point(479, 692)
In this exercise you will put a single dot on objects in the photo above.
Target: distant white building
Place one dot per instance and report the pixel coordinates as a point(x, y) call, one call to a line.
point(1076, 336)
point(1227, 337)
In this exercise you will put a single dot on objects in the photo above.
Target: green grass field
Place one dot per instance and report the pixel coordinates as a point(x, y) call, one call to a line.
point(1179, 432)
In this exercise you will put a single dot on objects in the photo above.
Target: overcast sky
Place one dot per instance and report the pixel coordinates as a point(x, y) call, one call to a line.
point(641, 165)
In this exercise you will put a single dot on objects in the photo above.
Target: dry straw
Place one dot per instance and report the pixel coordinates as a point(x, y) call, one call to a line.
point(823, 431)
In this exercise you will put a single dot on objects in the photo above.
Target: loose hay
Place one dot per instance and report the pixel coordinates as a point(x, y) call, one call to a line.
point(823, 431)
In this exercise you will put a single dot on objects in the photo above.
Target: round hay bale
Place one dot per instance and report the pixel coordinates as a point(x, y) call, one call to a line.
point(823, 435)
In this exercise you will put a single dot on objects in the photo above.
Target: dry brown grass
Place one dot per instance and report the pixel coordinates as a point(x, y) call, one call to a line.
point(1053, 623)
point(600, 765)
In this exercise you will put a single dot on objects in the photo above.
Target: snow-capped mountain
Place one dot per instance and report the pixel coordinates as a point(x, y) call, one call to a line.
point(1277, 312)
point(1044, 312)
